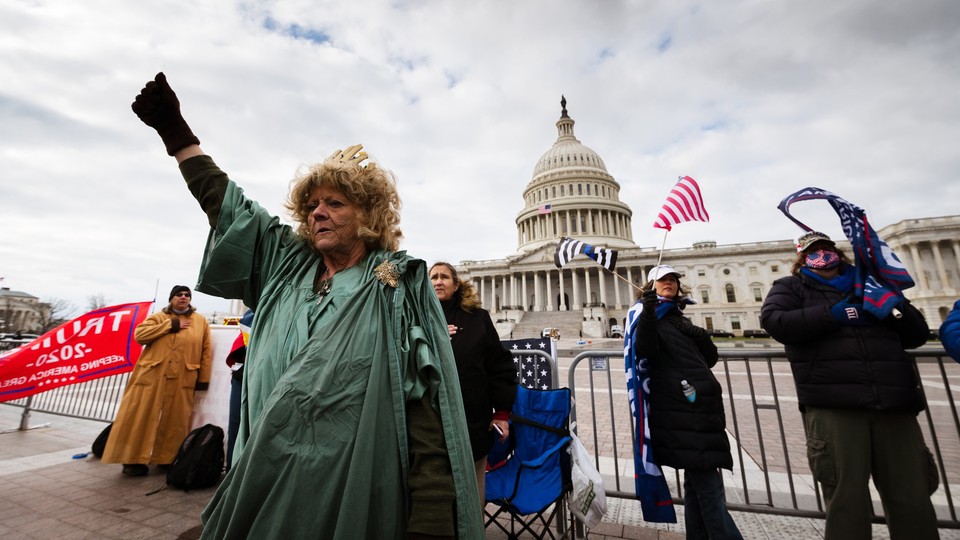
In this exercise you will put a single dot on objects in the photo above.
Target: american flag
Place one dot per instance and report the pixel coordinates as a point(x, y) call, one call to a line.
point(533, 370)
point(568, 248)
point(684, 203)
point(545, 209)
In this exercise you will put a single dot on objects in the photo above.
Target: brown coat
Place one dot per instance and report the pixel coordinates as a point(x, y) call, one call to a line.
point(154, 415)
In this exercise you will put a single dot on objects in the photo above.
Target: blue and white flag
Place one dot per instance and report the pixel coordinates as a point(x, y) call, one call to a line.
point(652, 490)
point(568, 248)
point(880, 275)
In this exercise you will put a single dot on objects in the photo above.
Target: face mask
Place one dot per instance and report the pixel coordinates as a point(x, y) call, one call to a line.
point(823, 259)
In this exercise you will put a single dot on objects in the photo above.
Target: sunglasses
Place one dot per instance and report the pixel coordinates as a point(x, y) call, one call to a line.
point(183, 294)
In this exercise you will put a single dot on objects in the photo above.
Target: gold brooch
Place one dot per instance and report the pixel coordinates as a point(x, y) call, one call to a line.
point(387, 273)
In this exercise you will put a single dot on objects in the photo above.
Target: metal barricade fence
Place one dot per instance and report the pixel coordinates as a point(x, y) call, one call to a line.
point(92, 400)
point(770, 474)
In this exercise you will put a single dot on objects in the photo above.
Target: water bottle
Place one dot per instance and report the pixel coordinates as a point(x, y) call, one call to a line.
point(689, 391)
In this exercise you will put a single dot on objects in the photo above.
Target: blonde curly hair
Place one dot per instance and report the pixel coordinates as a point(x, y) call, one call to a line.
point(370, 187)
point(466, 294)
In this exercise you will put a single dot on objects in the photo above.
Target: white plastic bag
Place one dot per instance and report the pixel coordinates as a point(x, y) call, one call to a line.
point(588, 502)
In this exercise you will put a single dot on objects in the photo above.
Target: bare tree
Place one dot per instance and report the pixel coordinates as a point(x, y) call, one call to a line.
point(96, 301)
point(58, 313)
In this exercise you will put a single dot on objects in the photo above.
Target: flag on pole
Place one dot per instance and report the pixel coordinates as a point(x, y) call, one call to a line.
point(880, 276)
point(568, 248)
point(684, 203)
point(94, 345)
point(545, 209)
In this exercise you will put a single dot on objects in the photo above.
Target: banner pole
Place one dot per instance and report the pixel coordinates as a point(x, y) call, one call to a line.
point(156, 290)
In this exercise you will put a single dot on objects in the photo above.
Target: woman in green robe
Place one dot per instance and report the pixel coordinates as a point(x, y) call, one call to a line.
point(352, 423)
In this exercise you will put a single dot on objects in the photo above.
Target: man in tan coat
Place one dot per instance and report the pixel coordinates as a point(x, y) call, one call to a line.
point(154, 415)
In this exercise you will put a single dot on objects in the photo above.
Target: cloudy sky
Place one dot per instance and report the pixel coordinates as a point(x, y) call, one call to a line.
point(755, 99)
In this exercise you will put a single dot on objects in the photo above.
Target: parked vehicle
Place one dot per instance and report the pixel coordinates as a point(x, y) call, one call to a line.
point(755, 334)
point(616, 331)
point(553, 333)
point(720, 333)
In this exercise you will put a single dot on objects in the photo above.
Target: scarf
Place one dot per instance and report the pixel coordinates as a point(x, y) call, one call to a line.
point(843, 282)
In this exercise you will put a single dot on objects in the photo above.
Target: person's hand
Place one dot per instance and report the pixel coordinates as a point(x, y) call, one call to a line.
point(452, 328)
point(501, 427)
point(158, 107)
point(850, 313)
point(185, 323)
point(650, 301)
point(201, 386)
point(352, 155)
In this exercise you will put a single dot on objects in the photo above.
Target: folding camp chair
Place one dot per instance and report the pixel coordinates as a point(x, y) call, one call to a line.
point(531, 485)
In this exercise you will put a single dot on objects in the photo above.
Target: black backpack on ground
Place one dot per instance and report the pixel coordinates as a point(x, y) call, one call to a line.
point(199, 461)
point(101, 441)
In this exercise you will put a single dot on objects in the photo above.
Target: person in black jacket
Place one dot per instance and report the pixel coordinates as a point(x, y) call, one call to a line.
point(488, 378)
point(686, 432)
point(858, 393)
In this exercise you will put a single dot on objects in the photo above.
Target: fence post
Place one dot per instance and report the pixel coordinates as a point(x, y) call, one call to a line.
point(25, 417)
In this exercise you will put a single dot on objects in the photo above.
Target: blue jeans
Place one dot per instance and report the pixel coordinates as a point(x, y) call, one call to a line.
point(705, 512)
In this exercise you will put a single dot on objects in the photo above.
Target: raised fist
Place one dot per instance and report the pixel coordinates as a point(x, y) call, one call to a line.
point(158, 107)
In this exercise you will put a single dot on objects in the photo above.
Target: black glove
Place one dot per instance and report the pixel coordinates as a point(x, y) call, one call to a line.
point(851, 313)
point(158, 107)
point(687, 327)
point(201, 386)
point(650, 301)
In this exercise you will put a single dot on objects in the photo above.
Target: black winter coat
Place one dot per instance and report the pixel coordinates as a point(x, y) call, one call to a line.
point(844, 367)
point(488, 378)
point(684, 435)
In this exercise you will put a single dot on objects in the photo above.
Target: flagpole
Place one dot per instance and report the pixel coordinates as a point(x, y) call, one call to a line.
point(662, 244)
point(623, 279)
point(156, 290)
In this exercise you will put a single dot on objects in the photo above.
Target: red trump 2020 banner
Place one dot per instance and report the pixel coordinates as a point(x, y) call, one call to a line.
point(94, 345)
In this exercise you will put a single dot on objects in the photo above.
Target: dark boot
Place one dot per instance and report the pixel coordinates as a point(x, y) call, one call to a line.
point(135, 469)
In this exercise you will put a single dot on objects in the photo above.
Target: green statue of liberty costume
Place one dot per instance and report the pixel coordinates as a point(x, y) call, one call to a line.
point(340, 387)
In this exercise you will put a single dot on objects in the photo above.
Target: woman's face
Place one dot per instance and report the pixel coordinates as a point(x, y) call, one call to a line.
point(667, 286)
point(443, 282)
point(180, 301)
point(333, 221)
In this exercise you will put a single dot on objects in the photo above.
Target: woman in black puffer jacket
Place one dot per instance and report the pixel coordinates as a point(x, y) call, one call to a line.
point(688, 434)
point(488, 378)
point(858, 393)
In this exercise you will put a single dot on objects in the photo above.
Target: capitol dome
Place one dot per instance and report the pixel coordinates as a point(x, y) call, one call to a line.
point(572, 194)
point(568, 152)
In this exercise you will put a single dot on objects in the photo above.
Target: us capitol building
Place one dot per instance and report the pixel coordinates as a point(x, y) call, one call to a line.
point(572, 194)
